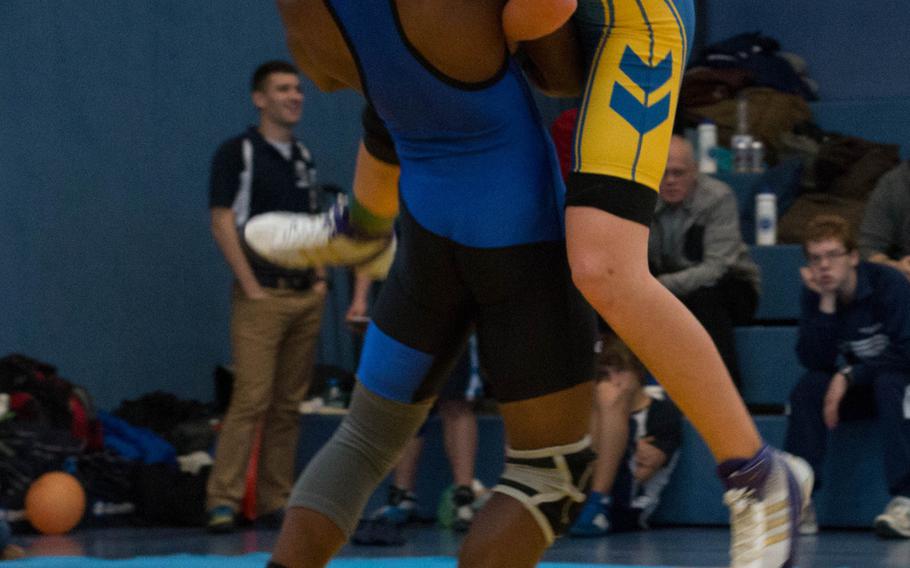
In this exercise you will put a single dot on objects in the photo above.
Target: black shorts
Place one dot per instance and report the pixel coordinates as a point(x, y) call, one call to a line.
point(535, 332)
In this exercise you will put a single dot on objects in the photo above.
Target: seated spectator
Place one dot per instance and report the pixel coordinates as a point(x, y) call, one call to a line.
point(697, 252)
point(884, 235)
point(637, 431)
point(854, 339)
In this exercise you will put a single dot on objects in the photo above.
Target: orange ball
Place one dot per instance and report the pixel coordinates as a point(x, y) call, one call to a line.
point(55, 503)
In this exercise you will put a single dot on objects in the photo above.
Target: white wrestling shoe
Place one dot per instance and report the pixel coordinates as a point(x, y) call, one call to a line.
point(301, 240)
point(765, 497)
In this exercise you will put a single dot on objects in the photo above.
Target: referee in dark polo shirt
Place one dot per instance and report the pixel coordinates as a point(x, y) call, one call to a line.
point(276, 313)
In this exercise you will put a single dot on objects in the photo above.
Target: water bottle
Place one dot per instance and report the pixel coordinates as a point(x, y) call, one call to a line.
point(741, 142)
point(707, 141)
point(765, 219)
point(4, 404)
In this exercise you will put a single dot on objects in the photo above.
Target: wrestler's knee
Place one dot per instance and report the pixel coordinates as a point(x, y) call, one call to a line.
point(595, 274)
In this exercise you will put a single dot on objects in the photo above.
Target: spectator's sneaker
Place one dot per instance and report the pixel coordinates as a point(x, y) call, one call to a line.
point(593, 519)
point(301, 240)
point(463, 507)
point(221, 519)
point(808, 525)
point(765, 495)
point(400, 509)
point(895, 521)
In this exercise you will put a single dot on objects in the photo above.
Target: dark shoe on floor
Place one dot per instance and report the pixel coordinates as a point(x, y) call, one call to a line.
point(463, 504)
point(271, 520)
point(221, 519)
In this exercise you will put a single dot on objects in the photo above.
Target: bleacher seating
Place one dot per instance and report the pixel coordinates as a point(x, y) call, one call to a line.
point(781, 282)
point(767, 359)
point(767, 364)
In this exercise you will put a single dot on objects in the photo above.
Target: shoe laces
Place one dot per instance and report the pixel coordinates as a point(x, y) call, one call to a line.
point(313, 229)
point(747, 523)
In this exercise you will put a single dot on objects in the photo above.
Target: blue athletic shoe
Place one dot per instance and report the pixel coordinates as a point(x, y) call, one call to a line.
point(593, 519)
point(401, 508)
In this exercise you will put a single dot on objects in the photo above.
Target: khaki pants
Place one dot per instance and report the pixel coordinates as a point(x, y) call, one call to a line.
point(274, 345)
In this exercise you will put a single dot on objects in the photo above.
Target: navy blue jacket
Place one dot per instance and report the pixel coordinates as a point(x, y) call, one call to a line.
point(871, 333)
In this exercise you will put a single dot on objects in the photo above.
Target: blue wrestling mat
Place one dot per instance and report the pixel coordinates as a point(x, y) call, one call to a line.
point(257, 560)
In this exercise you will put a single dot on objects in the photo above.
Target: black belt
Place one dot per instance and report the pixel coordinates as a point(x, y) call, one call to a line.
point(287, 281)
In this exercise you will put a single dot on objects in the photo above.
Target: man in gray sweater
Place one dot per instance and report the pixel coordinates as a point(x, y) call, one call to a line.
point(696, 250)
point(884, 235)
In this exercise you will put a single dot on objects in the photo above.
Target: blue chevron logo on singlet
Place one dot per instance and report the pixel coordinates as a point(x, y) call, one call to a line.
point(643, 117)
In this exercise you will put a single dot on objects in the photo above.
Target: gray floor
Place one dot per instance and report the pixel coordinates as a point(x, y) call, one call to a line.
point(677, 547)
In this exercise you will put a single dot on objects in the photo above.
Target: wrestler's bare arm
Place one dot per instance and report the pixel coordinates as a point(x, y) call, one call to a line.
point(317, 46)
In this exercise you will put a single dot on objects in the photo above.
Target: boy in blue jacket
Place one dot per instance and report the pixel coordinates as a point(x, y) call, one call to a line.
point(854, 339)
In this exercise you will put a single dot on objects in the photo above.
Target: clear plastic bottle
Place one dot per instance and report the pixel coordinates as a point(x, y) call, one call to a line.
point(757, 157)
point(741, 142)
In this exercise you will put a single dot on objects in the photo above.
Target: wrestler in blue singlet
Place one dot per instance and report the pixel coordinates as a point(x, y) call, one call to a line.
point(481, 225)
point(476, 167)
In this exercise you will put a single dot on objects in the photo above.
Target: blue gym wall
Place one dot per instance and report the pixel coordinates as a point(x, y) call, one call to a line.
point(109, 114)
point(110, 111)
point(857, 51)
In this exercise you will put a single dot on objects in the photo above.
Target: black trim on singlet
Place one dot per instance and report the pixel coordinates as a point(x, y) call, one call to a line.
point(436, 72)
point(376, 137)
point(621, 197)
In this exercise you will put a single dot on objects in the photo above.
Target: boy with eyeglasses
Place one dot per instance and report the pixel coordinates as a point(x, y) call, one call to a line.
point(854, 339)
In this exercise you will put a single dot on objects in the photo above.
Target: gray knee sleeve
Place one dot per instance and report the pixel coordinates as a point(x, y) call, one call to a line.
point(550, 483)
point(340, 478)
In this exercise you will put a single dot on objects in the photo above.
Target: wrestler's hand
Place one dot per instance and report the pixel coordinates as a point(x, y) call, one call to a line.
point(525, 20)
